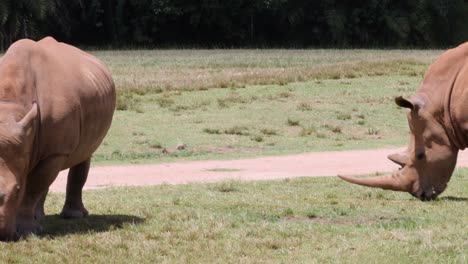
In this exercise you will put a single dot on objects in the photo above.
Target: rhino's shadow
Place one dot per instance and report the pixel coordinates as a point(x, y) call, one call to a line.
point(453, 198)
point(55, 226)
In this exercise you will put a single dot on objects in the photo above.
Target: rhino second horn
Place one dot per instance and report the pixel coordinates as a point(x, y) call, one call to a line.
point(387, 182)
point(399, 158)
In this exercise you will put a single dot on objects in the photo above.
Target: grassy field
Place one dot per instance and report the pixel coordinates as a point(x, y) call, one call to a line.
point(306, 220)
point(207, 104)
point(191, 104)
point(158, 70)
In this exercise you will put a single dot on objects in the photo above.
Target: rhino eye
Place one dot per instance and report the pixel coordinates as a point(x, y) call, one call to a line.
point(420, 156)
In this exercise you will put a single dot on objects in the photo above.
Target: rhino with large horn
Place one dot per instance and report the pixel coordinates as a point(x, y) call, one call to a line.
point(438, 120)
point(56, 105)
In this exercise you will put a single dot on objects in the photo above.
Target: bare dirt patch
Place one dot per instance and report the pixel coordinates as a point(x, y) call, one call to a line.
point(332, 163)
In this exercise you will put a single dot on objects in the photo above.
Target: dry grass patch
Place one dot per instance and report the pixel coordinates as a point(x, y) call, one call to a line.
point(233, 98)
point(293, 122)
point(307, 131)
point(304, 106)
point(334, 128)
point(237, 130)
point(269, 131)
point(343, 116)
point(156, 71)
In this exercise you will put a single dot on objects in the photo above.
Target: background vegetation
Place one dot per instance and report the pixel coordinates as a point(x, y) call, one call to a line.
point(238, 23)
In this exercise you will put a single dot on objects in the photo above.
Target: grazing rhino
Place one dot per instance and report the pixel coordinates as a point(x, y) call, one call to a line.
point(56, 105)
point(438, 121)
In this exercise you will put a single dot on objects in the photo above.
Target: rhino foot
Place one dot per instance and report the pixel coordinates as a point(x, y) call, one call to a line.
point(70, 212)
point(39, 213)
point(26, 227)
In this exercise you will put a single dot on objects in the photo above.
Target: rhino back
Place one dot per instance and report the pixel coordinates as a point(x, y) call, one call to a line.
point(76, 96)
point(445, 88)
point(459, 105)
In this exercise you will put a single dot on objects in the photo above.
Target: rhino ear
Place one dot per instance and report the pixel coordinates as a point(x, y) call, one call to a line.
point(415, 103)
point(26, 122)
point(402, 102)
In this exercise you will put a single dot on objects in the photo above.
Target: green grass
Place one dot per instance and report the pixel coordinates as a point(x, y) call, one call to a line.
point(340, 114)
point(226, 104)
point(305, 220)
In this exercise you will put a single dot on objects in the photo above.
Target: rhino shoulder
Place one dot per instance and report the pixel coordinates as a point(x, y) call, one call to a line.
point(48, 39)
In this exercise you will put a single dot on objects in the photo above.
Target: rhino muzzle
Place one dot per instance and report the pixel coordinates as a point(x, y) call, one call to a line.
point(425, 196)
point(7, 230)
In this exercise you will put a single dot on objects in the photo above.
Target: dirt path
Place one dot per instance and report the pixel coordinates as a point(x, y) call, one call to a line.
point(264, 168)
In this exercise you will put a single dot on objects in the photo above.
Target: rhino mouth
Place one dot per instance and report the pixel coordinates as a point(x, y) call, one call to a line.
point(426, 196)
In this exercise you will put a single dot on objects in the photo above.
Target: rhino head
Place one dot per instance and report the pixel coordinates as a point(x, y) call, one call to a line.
point(428, 162)
point(16, 142)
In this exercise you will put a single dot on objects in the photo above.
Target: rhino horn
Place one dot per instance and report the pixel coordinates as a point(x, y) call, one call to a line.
point(26, 121)
point(399, 158)
point(387, 182)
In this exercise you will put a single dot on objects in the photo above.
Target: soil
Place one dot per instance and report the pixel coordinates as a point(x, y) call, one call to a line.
point(333, 163)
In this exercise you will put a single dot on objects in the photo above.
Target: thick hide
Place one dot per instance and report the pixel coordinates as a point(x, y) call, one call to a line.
point(56, 105)
point(438, 120)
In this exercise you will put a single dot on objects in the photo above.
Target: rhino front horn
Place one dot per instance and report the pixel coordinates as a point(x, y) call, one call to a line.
point(387, 182)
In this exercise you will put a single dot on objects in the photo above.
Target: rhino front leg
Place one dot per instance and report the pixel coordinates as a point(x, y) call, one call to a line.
point(39, 213)
point(77, 176)
point(38, 183)
point(27, 224)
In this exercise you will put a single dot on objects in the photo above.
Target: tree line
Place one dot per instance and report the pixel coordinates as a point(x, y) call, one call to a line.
point(238, 23)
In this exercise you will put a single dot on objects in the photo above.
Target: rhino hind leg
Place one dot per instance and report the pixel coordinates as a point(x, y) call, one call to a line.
point(77, 176)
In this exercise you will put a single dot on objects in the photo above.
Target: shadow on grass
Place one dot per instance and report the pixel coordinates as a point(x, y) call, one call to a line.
point(55, 226)
point(453, 198)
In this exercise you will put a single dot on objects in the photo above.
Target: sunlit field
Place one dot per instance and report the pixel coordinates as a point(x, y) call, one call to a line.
point(240, 103)
point(306, 220)
point(178, 105)
point(162, 70)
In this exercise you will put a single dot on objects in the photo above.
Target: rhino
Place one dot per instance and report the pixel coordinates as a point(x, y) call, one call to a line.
point(438, 121)
point(56, 106)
